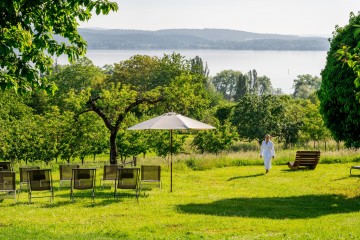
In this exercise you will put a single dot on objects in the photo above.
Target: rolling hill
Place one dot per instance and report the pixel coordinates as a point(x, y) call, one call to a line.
point(199, 39)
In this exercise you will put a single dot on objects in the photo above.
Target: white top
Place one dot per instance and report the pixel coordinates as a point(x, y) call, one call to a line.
point(267, 149)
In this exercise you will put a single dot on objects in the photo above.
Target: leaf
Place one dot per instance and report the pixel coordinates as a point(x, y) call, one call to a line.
point(357, 32)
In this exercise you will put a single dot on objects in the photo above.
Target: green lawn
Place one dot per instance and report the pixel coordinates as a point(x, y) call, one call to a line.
point(222, 203)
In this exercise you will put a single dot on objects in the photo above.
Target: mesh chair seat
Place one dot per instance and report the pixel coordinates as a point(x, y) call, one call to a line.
point(127, 178)
point(66, 172)
point(5, 166)
point(24, 176)
point(7, 184)
point(83, 178)
point(150, 174)
point(109, 174)
point(40, 180)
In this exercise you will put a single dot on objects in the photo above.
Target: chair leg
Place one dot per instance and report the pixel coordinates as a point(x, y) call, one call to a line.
point(52, 195)
point(59, 188)
point(71, 193)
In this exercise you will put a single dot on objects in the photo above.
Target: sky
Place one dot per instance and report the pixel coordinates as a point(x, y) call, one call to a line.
point(295, 17)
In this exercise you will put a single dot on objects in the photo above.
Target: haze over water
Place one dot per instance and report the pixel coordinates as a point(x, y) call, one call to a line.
point(282, 67)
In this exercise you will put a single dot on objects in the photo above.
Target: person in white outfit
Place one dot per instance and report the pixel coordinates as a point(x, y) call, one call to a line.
point(267, 152)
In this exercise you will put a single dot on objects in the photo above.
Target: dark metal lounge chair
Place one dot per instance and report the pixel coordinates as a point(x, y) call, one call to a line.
point(127, 178)
point(82, 179)
point(6, 166)
point(66, 172)
point(7, 184)
point(109, 173)
point(24, 176)
point(40, 180)
point(150, 174)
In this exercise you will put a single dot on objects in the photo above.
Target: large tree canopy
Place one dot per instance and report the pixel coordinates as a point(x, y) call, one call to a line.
point(27, 29)
point(338, 104)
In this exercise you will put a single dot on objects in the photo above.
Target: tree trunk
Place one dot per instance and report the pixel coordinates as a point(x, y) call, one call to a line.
point(113, 149)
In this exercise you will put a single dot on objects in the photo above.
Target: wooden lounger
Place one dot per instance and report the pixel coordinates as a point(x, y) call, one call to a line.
point(305, 159)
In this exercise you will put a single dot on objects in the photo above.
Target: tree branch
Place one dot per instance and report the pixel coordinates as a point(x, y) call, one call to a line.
point(93, 107)
point(135, 104)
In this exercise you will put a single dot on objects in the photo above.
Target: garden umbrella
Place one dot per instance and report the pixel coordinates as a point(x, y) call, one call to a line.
point(171, 121)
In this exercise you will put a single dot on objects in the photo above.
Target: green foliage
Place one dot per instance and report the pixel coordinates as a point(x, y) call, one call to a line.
point(254, 116)
point(198, 66)
point(338, 104)
point(159, 142)
point(215, 140)
point(313, 127)
point(27, 42)
point(234, 85)
point(225, 82)
point(305, 85)
point(139, 71)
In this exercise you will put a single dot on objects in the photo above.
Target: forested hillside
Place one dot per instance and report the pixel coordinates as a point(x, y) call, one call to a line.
point(198, 39)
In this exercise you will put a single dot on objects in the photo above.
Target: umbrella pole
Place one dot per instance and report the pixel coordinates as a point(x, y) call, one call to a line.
point(171, 146)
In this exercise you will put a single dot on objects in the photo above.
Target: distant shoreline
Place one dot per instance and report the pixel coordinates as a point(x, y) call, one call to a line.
point(198, 39)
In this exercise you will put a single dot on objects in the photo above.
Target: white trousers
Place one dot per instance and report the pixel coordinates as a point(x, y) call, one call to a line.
point(267, 161)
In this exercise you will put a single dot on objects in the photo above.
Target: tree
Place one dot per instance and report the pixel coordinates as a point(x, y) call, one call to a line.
point(253, 82)
point(135, 87)
point(250, 83)
point(14, 117)
point(313, 127)
point(215, 140)
point(305, 85)
point(197, 66)
point(242, 87)
point(254, 116)
point(292, 121)
point(139, 71)
point(80, 75)
point(338, 104)
point(225, 83)
point(27, 30)
point(160, 143)
point(264, 85)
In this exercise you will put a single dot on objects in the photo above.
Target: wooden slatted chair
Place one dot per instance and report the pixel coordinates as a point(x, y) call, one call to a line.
point(305, 159)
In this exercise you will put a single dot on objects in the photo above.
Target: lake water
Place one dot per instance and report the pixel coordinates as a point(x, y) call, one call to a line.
point(282, 67)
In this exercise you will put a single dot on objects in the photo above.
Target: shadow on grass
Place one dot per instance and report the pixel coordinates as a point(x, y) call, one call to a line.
point(297, 207)
point(347, 177)
point(248, 176)
point(102, 198)
point(298, 170)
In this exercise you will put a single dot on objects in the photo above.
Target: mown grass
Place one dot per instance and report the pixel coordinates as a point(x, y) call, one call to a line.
point(233, 202)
